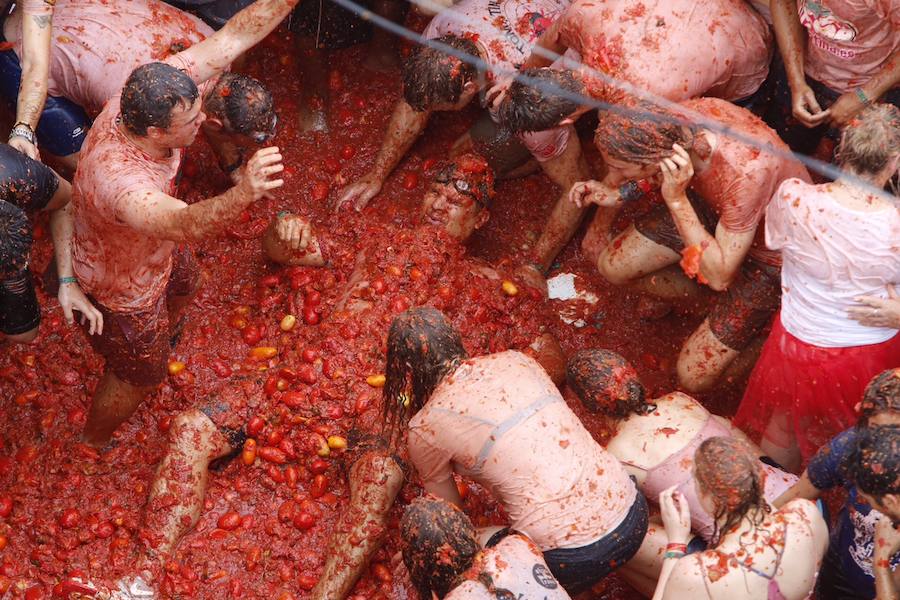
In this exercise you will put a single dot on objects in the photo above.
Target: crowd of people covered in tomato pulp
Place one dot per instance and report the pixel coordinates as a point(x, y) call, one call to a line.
point(473, 299)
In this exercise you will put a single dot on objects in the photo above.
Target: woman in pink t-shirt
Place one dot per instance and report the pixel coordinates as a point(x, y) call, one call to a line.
point(499, 420)
point(838, 243)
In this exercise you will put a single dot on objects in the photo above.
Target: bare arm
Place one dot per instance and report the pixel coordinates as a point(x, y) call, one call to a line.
point(36, 38)
point(887, 542)
point(404, 128)
point(550, 42)
point(243, 31)
point(791, 37)
point(162, 216)
point(849, 104)
point(802, 489)
point(445, 490)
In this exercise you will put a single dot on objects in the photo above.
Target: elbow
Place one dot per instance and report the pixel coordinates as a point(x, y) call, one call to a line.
point(717, 284)
point(717, 279)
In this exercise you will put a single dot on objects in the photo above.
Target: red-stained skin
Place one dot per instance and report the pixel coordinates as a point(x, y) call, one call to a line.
point(260, 550)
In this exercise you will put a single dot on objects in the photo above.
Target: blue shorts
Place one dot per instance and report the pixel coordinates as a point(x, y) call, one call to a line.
point(63, 125)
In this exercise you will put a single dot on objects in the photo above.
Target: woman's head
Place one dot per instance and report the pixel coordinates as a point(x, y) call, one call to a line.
point(874, 466)
point(439, 544)
point(870, 143)
point(729, 481)
point(633, 142)
point(422, 346)
point(606, 383)
point(881, 401)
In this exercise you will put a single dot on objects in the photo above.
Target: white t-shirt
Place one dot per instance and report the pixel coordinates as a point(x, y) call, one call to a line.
point(831, 254)
point(506, 29)
point(516, 566)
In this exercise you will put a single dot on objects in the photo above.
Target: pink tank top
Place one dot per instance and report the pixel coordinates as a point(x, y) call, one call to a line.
point(677, 470)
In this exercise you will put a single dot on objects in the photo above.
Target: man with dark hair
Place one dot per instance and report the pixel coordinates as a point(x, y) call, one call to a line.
point(723, 50)
point(114, 37)
point(500, 35)
point(27, 186)
point(127, 224)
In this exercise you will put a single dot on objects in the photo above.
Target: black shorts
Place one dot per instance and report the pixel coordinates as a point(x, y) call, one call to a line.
point(19, 309)
point(746, 307)
point(503, 151)
point(24, 182)
point(577, 569)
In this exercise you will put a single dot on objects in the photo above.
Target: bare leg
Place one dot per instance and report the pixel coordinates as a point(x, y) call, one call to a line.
point(545, 349)
point(114, 402)
point(375, 480)
point(314, 91)
point(177, 492)
point(703, 359)
point(383, 55)
point(642, 571)
point(780, 444)
point(566, 170)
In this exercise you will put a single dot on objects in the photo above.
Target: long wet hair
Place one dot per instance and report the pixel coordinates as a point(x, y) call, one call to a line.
point(874, 463)
point(643, 135)
point(882, 394)
point(422, 347)
point(439, 544)
point(870, 141)
point(728, 472)
point(607, 383)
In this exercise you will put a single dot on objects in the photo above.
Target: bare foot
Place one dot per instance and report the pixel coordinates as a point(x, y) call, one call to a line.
point(313, 118)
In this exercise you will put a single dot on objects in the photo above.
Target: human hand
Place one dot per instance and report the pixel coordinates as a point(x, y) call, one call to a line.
point(887, 540)
point(805, 107)
point(677, 172)
point(360, 192)
point(593, 192)
point(254, 178)
point(847, 106)
point(25, 147)
point(676, 515)
point(497, 92)
point(72, 298)
point(877, 312)
point(293, 231)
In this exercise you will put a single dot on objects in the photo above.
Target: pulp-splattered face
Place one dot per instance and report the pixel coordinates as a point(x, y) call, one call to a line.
point(459, 213)
point(626, 171)
point(183, 128)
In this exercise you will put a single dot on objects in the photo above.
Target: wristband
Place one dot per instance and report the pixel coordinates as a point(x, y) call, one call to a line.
point(24, 131)
point(283, 213)
point(64, 280)
point(673, 555)
point(862, 96)
point(677, 547)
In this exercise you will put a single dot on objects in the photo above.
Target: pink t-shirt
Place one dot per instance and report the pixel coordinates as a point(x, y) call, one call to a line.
point(849, 40)
point(515, 565)
point(677, 49)
point(506, 29)
point(124, 269)
point(500, 420)
point(831, 254)
point(98, 43)
point(741, 179)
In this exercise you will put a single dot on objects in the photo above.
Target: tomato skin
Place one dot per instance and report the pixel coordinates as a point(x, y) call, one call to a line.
point(307, 374)
point(309, 355)
point(255, 426)
point(6, 506)
point(319, 486)
point(272, 455)
point(229, 521)
point(304, 520)
point(310, 315)
point(318, 466)
point(410, 181)
point(69, 518)
point(348, 152)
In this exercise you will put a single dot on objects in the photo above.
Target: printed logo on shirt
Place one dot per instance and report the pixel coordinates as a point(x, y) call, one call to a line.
point(826, 30)
point(544, 577)
point(520, 22)
point(863, 547)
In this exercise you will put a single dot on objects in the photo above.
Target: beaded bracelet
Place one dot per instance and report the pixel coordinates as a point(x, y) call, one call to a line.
point(673, 555)
point(282, 214)
point(861, 94)
point(64, 280)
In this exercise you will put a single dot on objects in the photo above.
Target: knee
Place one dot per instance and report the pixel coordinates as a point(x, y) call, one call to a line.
point(693, 376)
point(609, 270)
point(23, 338)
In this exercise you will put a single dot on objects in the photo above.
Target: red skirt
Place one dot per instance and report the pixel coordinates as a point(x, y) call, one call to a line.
point(817, 388)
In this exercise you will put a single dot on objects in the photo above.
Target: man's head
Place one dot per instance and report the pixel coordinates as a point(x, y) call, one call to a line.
point(241, 106)
point(881, 401)
point(606, 383)
point(435, 80)
point(633, 142)
point(159, 102)
point(460, 195)
point(874, 466)
point(439, 544)
point(15, 240)
point(537, 104)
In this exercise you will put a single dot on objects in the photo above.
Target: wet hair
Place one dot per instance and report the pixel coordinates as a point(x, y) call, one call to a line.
point(151, 92)
point(874, 464)
point(607, 383)
point(643, 135)
point(731, 475)
point(882, 394)
point(15, 240)
point(530, 107)
point(242, 103)
point(439, 544)
point(476, 172)
point(422, 347)
point(871, 141)
point(431, 76)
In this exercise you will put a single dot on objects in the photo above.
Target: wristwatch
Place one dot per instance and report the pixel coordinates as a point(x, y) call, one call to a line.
point(23, 130)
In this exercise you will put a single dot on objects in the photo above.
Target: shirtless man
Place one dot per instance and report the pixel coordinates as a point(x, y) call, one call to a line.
point(127, 224)
point(501, 35)
point(96, 45)
point(674, 50)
